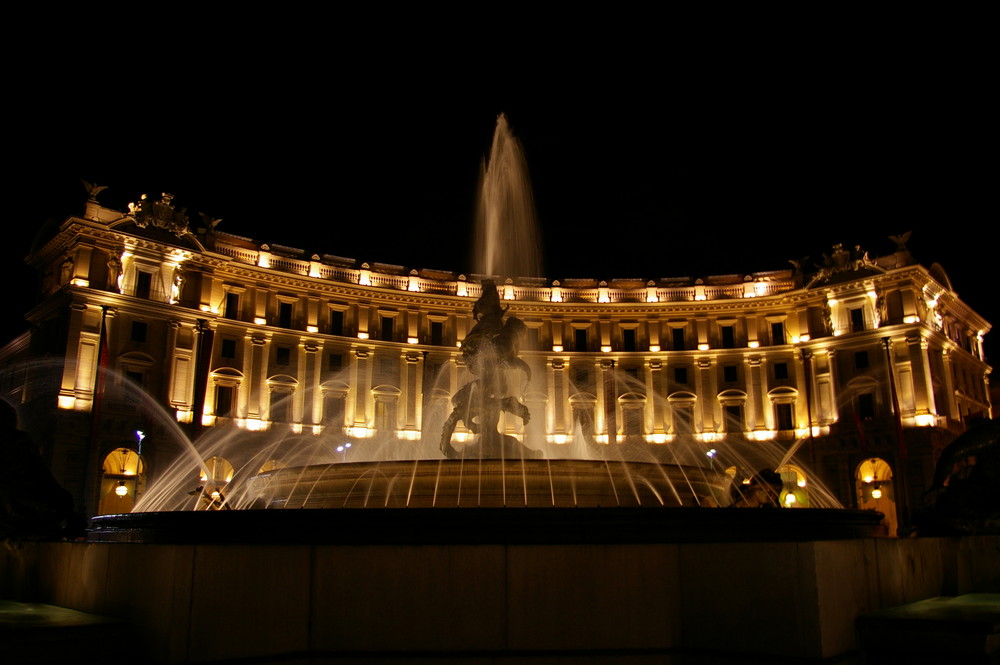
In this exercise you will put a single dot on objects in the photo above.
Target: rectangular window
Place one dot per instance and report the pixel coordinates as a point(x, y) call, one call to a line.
point(139, 330)
point(133, 399)
point(580, 338)
point(861, 360)
point(733, 418)
point(683, 418)
point(628, 339)
point(335, 362)
point(387, 332)
point(282, 355)
point(581, 377)
point(729, 373)
point(336, 322)
point(280, 403)
point(333, 411)
point(866, 406)
point(385, 415)
point(680, 375)
point(777, 333)
point(729, 337)
point(285, 314)
point(143, 284)
point(633, 421)
point(780, 371)
point(783, 413)
point(678, 335)
point(224, 401)
point(857, 320)
point(437, 333)
point(532, 342)
point(229, 349)
point(232, 306)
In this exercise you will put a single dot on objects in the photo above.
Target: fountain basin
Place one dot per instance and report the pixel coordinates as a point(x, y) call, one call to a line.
point(491, 483)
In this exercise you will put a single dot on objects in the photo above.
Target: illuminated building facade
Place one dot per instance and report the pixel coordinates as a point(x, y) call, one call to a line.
point(223, 332)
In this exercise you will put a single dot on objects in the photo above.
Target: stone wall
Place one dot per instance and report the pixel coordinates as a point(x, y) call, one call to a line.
point(656, 603)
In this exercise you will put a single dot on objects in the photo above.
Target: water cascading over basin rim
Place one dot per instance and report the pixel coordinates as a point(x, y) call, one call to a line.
point(489, 483)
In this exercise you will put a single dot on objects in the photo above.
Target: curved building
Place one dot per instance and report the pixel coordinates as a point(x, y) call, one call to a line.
point(868, 365)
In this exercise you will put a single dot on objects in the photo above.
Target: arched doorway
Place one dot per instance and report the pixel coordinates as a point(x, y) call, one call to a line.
point(123, 479)
point(873, 481)
point(794, 488)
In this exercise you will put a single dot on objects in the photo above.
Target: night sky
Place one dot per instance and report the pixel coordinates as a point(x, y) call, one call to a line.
point(677, 168)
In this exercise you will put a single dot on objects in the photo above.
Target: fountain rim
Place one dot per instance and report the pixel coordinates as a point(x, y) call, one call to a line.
point(487, 525)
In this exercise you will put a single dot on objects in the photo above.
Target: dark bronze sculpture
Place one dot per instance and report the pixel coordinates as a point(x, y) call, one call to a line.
point(490, 349)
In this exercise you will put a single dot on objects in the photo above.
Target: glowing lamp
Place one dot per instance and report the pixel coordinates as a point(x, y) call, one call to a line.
point(260, 320)
point(753, 344)
point(911, 319)
point(412, 340)
point(605, 349)
point(876, 492)
point(362, 335)
point(654, 348)
point(703, 347)
point(79, 281)
point(557, 348)
point(312, 329)
point(121, 489)
point(789, 500)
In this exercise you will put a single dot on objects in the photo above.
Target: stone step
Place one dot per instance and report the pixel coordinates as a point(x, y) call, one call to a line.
point(946, 629)
point(40, 633)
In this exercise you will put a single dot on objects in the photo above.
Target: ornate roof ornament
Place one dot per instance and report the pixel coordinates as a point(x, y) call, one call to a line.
point(93, 190)
point(161, 214)
point(842, 261)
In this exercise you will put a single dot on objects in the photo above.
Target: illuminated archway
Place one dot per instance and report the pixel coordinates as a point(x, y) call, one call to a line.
point(794, 487)
point(123, 478)
point(873, 483)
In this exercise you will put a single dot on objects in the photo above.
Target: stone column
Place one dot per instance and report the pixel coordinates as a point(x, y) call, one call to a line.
point(608, 401)
point(412, 387)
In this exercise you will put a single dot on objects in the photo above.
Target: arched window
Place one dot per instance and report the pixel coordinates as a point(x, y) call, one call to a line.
point(631, 405)
point(783, 407)
point(281, 398)
point(583, 405)
point(682, 411)
point(733, 417)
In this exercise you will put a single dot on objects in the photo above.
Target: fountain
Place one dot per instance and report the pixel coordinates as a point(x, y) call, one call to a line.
point(476, 460)
point(482, 538)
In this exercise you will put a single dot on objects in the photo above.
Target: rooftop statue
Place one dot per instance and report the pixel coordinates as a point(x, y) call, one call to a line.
point(490, 349)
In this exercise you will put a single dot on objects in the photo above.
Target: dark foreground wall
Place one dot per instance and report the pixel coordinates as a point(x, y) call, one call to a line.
point(717, 602)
